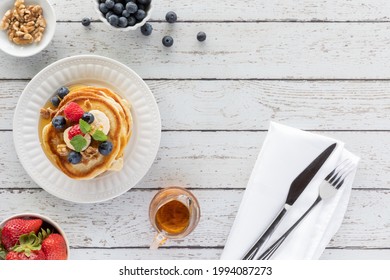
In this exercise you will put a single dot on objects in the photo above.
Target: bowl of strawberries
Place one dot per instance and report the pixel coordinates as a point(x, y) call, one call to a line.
point(30, 236)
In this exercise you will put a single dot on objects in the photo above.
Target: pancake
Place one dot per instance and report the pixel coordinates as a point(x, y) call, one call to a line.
point(109, 96)
point(93, 163)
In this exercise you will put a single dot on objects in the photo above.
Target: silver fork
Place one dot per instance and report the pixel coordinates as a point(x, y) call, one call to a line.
point(328, 188)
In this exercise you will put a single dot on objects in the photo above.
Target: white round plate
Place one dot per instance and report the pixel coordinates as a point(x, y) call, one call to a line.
point(98, 71)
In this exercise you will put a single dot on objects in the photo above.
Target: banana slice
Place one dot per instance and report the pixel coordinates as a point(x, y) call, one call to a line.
point(67, 140)
point(101, 122)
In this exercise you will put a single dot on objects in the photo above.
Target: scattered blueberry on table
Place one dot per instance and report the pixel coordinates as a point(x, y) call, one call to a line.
point(167, 41)
point(146, 29)
point(171, 17)
point(201, 36)
point(86, 21)
point(124, 13)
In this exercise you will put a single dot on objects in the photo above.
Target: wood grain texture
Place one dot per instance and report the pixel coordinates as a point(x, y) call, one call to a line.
point(356, 254)
point(211, 254)
point(249, 105)
point(123, 222)
point(232, 51)
point(145, 254)
point(219, 160)
point(262, 10)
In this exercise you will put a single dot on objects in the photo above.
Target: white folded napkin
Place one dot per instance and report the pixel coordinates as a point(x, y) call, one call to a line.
point(286, 152)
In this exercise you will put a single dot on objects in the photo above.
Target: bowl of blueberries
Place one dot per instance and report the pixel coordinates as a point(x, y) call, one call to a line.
point(124, 15)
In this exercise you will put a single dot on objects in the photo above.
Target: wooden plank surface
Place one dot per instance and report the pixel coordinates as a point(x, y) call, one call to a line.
point(219, 160)
point(316, 65)
point(232, 51)
point(249, 105)
point(259, 10)
point(123, 222)
point(211, 254)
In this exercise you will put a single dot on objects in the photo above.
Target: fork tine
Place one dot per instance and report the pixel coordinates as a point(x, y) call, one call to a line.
point(333, 173)
point(337, 176)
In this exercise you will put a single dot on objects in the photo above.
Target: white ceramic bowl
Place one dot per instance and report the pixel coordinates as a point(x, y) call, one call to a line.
point(44, 219)
point(103, 19)
point(28, 50)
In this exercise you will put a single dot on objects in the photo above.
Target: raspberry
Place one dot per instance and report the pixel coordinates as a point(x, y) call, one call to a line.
point(73, 112)
point(75, 130)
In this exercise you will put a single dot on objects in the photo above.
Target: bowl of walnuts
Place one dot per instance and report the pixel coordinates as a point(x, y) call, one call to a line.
point(26, 26)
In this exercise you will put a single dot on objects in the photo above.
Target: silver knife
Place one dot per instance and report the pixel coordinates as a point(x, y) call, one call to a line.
point(296, 188)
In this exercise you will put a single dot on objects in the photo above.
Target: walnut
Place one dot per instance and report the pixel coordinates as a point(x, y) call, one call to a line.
point(47, 113)
point(25, 25)
point(90, 153)
point(62, 150)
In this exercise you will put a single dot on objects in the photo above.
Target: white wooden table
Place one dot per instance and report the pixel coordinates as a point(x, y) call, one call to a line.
point(319, 65)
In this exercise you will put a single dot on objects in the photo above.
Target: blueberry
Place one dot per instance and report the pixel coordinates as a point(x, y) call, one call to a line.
point(125, 14)
point(140, 14)
point(131, 7)
point(146, 29)
point(118, 8)
point(167, 41)
point(88, 117)
point(144, 2)
point(55, 101)
point(141, 7)
point(62, 92)
point(74, 157)
point(122, 22)
point(105, 148)
point(132, 21)
point(59, 122)
point(109, 14)
point(113, 20)
point(102, 1)
point(110, 4)
point(201, 36)
point(86, 21)
point(171, 17)
point(103, 8)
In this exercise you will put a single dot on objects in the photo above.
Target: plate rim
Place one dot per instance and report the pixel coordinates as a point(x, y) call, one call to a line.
point(37, 76)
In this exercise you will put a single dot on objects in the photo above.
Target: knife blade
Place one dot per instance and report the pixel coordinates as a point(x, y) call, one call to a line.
point(297, 186)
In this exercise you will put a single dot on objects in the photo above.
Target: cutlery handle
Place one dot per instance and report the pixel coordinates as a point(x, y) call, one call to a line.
point(272, 249)
point(250, 255)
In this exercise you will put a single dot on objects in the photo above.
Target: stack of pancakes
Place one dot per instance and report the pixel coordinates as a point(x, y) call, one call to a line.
point(118, 112)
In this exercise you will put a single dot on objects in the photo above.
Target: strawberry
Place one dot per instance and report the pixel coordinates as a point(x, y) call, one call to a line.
point(74, 130)
point(54, 247)
point(29, 248)
point(73, 112)
point(34, 255)
point(14, 228)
